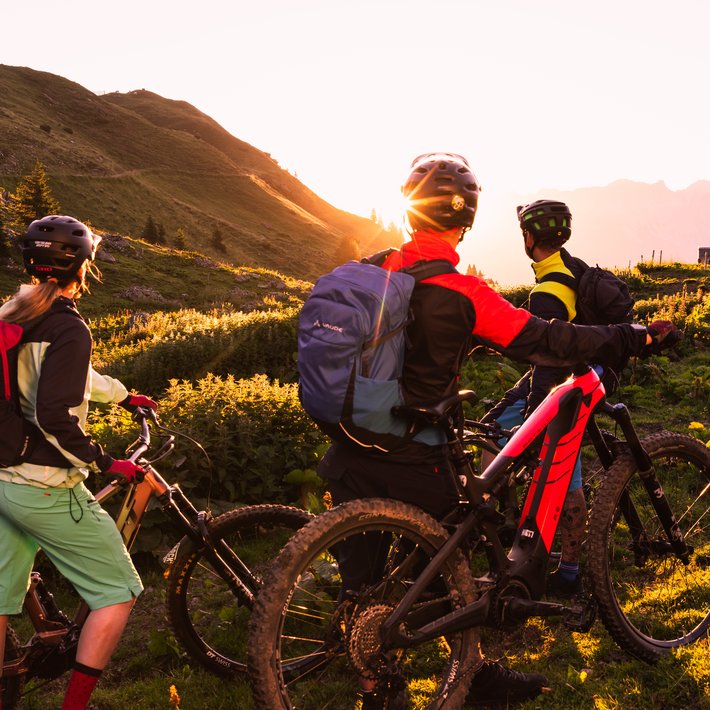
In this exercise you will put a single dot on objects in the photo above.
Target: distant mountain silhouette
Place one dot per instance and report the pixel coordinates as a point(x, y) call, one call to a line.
point(616, 226)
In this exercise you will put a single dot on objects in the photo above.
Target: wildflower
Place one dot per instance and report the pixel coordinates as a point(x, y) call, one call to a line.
point(693, 426)
point(174, 698)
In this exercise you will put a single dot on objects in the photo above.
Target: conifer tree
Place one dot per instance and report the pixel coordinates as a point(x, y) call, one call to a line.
point(218, 241)
point(348, 249)
point(180, 238)
point(394, 233)
point(32, 199)
point(150, 231)
point(472, 270)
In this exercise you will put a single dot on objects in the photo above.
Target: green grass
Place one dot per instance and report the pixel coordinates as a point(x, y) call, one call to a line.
point(146, 663)
point(138, 276)
point(584, 670)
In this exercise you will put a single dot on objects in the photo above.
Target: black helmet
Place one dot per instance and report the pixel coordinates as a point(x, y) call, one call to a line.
point(56, 246)
point(546, 220)
point(442, 192)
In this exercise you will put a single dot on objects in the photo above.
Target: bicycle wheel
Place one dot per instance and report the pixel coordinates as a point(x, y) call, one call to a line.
point(11, 686)
point(649, 601)
point(309, 641)
point(208, 620)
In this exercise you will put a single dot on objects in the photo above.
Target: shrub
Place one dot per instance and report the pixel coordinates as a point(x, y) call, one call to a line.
point(689, 310)
point(517, 295)
point(146, 352)
point(254, 431)
point(489, 376)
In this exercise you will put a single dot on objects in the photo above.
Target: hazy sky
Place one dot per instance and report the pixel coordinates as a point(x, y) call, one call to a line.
point(537, 94)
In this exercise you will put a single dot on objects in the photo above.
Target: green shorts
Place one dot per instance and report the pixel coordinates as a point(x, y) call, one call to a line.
point(78, 536)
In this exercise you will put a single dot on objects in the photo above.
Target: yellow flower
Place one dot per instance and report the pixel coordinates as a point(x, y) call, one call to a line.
point(174, 698)
point(696, 425)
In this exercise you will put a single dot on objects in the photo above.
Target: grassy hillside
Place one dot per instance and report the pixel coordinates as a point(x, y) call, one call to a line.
point(116, 159)
point(138, 276)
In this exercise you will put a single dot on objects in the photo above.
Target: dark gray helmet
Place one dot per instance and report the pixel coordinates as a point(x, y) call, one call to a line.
point(546, 220)
point(56, 246)
point(442, 192)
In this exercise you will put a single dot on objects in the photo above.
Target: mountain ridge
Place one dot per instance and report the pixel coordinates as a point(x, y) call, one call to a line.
point(115, 159)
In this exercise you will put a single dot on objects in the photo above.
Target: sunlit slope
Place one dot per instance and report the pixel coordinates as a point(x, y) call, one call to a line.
point(116, 159)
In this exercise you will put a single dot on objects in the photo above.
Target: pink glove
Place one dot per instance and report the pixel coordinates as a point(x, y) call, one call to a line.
point(125, 471)
point(133, 401)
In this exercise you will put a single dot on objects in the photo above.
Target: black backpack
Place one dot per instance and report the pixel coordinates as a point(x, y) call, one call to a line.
point(16, 433)
point(602, 297)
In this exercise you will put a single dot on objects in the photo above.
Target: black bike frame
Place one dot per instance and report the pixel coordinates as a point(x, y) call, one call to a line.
point(519, 574)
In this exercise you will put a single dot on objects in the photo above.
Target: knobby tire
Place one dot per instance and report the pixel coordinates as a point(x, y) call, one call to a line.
point(11, 686)
point(649, 601)
point(207, 619)
point(310, 642)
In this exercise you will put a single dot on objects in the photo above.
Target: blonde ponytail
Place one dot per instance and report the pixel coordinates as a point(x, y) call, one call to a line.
point(30, 301)
point(35, 299)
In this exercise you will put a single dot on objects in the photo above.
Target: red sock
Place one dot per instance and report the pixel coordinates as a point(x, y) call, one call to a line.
point(82, 682)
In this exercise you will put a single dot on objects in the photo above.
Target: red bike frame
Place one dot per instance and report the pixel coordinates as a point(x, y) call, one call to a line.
point(562, 418)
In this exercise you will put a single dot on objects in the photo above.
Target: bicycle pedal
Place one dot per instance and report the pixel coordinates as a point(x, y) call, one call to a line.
point(581, 616)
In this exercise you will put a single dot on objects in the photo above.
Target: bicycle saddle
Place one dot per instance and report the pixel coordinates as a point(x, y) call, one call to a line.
point(435, 414)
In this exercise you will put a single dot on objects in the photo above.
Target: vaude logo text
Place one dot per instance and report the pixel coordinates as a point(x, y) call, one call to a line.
point(329, 326)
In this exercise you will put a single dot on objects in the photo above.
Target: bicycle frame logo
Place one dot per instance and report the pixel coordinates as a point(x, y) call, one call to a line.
point(563, 416)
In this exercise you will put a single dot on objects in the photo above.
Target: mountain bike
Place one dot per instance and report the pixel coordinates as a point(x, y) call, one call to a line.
point(212, 574)
point(409, 616)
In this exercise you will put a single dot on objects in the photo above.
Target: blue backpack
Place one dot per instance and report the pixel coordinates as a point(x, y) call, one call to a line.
point(351, 347)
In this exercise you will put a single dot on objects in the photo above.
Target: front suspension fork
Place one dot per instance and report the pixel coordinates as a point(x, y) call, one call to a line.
point(647, 473)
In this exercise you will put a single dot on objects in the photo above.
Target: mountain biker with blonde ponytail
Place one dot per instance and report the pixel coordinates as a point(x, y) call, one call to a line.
point(43, 500)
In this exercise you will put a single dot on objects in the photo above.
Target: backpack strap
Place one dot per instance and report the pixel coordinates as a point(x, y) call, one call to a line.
point(10, 336)
point(378, 258)
point(564, 279)
point(563, 287)
point(421, 270)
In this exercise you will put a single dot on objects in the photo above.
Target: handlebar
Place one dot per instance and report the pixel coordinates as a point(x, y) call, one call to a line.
point(135, 452)
point(147, 418)
point(142, 443)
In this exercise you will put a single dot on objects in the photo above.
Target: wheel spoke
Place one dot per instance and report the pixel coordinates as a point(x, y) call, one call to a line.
point(648, 598)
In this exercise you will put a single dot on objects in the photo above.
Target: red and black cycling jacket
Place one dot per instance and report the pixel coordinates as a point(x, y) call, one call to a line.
point(453, 311)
